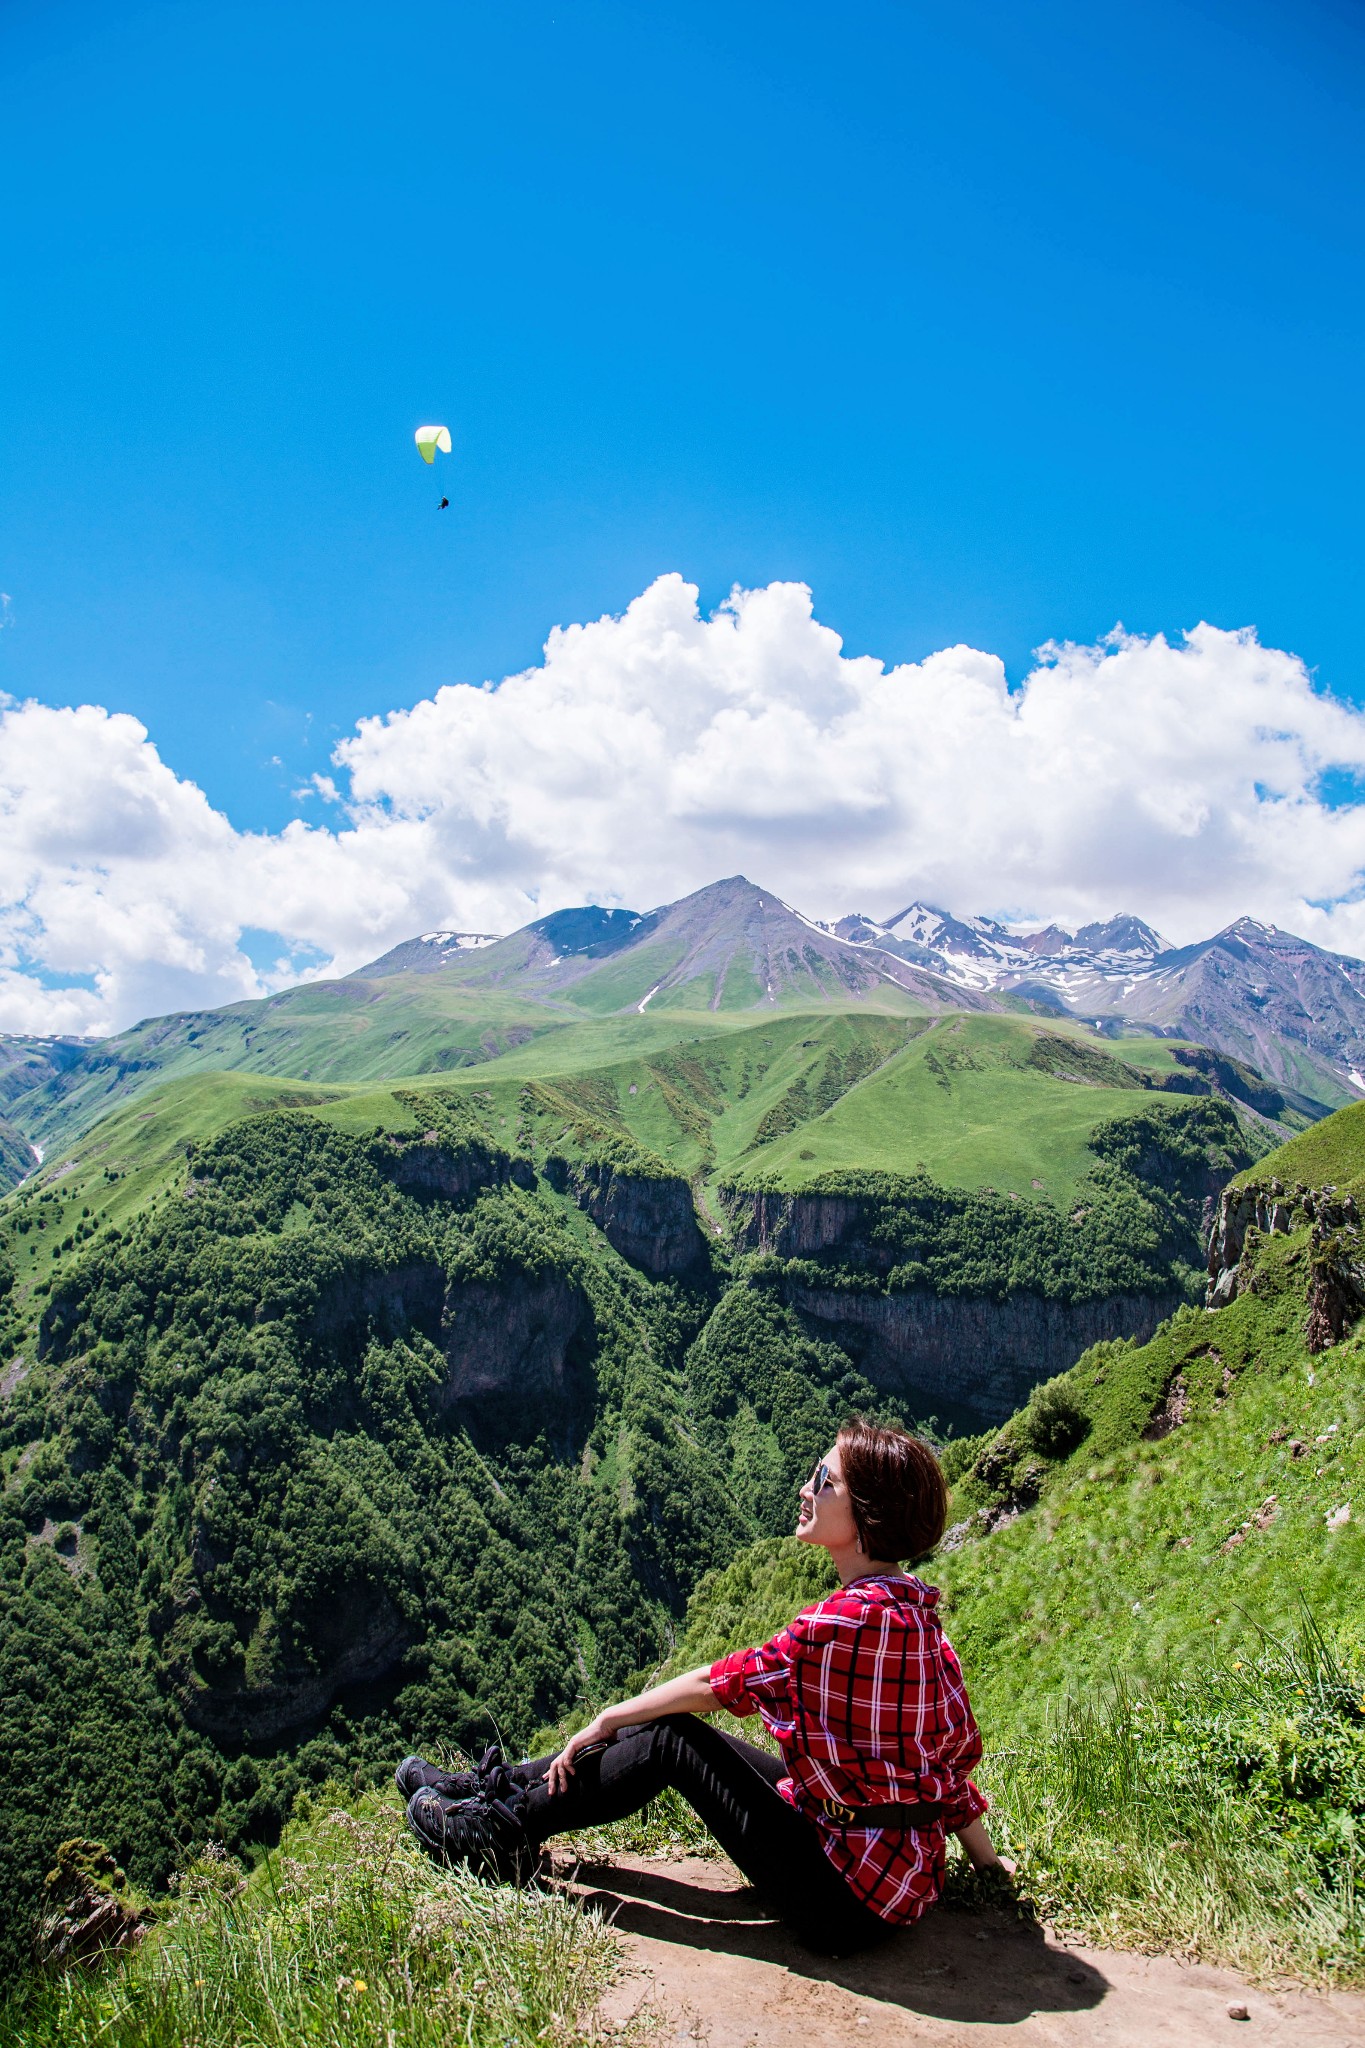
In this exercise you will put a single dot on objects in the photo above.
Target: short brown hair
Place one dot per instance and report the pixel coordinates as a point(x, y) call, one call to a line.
point(895, 1488)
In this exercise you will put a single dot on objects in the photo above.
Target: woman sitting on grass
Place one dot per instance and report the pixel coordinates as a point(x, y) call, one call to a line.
point(843, 1835)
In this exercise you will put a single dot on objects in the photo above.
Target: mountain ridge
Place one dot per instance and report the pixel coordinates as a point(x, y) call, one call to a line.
point(1269, 998)
point(730, 945)
point(1270, 1002)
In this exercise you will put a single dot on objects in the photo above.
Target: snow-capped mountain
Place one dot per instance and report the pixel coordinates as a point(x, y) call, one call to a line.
point(429, 953)
point(980, 952)
point(1267, 997)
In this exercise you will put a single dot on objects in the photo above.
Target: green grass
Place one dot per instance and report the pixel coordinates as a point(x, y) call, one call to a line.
point(1220, 1815)
point(344, 1937)
point(129, 1159)
point(1128, 1559)
point(966, 1100)
point(963, 1104)
point(1332, 1152)
point(792, 1096)
point(1173, 1752)
point(625, 982)
point(347, 1032)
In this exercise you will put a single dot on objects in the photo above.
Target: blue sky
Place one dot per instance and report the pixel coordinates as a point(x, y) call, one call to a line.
point(991, 324)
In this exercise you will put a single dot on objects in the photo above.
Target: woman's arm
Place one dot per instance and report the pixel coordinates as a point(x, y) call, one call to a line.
point(980, 1848)
point(690, 1694)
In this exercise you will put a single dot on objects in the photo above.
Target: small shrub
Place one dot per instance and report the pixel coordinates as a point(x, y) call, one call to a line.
point(1054, 1423)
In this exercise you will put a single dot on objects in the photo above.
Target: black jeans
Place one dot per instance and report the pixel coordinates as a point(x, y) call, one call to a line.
point(733, 1787)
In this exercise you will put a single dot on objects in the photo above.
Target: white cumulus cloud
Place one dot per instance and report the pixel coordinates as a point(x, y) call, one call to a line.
point(649, 754)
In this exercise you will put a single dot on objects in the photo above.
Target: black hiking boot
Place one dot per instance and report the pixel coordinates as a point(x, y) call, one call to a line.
point(415, 1774)
point(485, 1832)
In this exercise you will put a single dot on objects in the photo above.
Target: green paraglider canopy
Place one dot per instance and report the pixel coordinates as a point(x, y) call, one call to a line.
point(429, 439)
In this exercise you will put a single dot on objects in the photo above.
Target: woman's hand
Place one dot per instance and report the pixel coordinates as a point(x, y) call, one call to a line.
point(981, 1850)
point(562, 1769)
point(689, 1694)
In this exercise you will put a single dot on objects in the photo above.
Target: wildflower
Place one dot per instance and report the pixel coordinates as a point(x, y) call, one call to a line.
point(359, 1985)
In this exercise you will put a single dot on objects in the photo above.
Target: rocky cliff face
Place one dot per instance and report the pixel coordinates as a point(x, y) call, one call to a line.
point(650, 1222)
point(505, 1336)
point(511, 1336)
point(433, 1170)
point(983, 1340)
point(1336, 1250)
point(390, 1302)
point(983, 1355)
point(791, 1226)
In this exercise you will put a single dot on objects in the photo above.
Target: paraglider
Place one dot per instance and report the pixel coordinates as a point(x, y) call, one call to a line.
point(429, 440)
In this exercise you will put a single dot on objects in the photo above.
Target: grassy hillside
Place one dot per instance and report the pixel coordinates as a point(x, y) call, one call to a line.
point(1331, 1153)
point(333, 1032)
point(978, 1101)
point(1001, 1102)
point(17, 1158)
point(136, 1153)
point(1178, 1548)
point(345, 1937)
point(730, 948)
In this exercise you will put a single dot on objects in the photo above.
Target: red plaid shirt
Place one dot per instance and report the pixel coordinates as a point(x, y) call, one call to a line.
point(865, 1697)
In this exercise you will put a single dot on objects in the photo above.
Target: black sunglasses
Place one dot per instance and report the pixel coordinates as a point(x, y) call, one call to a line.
point(820, 1478)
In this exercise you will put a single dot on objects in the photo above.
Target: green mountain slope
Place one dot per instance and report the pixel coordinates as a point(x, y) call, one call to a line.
point(589, 989)
point(1005, 1103)
point(17, 1156)
point(334, 1032)
point(1165, 1502)
point(1330, 1154)
point(728, 949)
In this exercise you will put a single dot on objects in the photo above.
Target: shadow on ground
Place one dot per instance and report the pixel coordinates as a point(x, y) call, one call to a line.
point(987, 1965)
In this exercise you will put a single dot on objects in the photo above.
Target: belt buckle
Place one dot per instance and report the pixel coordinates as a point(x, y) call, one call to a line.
point(836, 1811)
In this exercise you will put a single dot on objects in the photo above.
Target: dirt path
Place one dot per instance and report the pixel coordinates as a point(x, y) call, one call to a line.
point(705, 1966)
